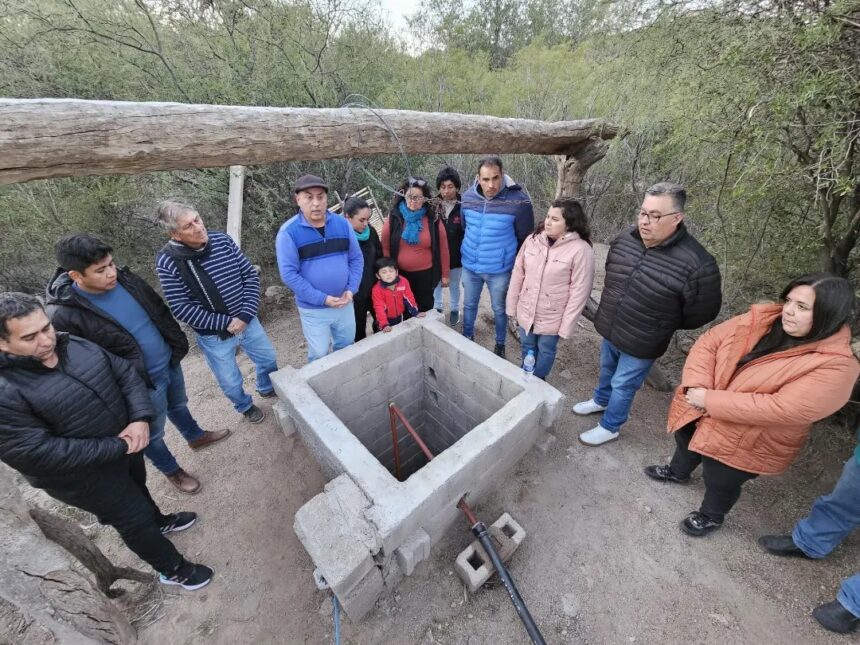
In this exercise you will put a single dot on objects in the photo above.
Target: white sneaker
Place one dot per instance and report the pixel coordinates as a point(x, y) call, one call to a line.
point(588, 407)
point(597, 436)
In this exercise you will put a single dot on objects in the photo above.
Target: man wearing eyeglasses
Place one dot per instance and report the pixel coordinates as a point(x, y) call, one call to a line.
point(658, 279)
point(320, 260)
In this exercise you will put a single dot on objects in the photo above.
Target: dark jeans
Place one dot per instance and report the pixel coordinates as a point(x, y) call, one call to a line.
point(722, 483)
point(117, 495)
point(362, 307)
point(422, 286)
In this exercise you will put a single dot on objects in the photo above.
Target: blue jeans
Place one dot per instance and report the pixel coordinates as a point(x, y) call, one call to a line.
point(621, 376)
point(497, 284)
point(327, 329)
point(831, 519)
point(170, 402)
point(455, 275)
point(543, 346)
point(221, 357)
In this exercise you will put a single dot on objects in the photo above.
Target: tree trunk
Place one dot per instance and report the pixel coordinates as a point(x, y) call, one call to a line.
point(41, 138)
point(38, 585)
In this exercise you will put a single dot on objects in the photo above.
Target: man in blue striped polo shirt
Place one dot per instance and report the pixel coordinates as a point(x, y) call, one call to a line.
point(321, 261)
point(210, 285)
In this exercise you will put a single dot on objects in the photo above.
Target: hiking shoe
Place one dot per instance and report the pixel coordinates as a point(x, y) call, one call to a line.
point(454, 317)
point(254, 414)
point(267, 395)
point(208, 438)
point(588, 407)
point(178, 522)
point(499, 350)
point(833, 616)
point(184, 482)
point(664, 474)
point(188, 575)
point(781, 545)
point(597, 436)
point(698, 524)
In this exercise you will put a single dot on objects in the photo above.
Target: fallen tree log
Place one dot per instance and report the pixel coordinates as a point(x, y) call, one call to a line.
point(42, 138)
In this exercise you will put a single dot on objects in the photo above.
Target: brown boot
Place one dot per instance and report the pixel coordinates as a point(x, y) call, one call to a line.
point(184, 482)
point(208, 439)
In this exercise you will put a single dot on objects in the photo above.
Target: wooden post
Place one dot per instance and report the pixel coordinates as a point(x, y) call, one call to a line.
point(234, 204)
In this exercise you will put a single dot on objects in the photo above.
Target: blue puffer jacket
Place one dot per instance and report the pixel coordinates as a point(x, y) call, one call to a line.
point(495, 228)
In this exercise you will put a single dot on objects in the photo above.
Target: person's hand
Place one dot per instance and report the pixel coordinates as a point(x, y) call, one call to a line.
point(346, 296)
point(386, 329)
point(236, 326)
point(695, 396)
point(136, 435)
point(445, 282)
point(421, 314)
point(332, 301)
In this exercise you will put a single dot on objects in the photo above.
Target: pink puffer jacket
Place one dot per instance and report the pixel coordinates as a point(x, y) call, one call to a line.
point(551, 284)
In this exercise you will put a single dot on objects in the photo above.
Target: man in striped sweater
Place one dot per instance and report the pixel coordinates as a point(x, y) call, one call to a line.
point(321, 261)
point(210, 285)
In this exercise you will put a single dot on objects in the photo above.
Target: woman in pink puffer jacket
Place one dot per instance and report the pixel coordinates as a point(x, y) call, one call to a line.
point(551, 281)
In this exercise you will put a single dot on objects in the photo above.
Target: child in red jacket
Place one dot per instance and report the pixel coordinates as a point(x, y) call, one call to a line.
point(391, 296)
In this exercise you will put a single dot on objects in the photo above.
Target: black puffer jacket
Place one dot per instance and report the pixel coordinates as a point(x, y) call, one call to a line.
point(454, 229)
point(371, 250)
point(57, 424)
point(72, 313)
point(649, 293)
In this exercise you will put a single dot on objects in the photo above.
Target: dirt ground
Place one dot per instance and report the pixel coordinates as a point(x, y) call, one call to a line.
point(604, 560)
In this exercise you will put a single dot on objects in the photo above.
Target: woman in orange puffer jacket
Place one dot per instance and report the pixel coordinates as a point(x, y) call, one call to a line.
point(551, 282)
point(753, 386)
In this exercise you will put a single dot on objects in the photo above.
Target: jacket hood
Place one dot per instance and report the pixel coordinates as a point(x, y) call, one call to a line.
point(59, 290)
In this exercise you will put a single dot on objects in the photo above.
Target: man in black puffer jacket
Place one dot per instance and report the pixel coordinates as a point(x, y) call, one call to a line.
point(90, 297)
point(658, 279)
point(74, 419)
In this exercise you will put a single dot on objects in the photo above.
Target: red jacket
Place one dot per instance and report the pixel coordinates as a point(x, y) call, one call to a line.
point(391, 303)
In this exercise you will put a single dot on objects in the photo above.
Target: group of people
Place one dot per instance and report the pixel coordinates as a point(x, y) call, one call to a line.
point(88, 380)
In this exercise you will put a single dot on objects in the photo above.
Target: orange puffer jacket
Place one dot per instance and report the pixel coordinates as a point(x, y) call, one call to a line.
point(551, 284)
point(758, 417)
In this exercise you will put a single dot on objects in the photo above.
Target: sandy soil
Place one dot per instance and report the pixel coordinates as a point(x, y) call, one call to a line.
point(604, 560)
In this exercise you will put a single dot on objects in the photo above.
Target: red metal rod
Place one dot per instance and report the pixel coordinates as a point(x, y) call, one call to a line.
point(463, 506)
point(393, 421)
point(395, 410)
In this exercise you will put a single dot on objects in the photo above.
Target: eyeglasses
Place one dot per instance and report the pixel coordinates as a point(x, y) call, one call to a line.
point(415, 198)
point(415, 181)
point(654, 218)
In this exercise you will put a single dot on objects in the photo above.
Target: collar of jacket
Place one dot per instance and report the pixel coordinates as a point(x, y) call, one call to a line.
point(759, 321)
point(510, 184)
point(680, 233)
point(179, 251)
point(60, 292)
point(11, 361)
point(304, 221)
point(570, 236)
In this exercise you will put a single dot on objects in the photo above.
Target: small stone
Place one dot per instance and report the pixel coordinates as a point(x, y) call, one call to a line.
point(564, 632)
point(566, 375)
point(453, 604)
point(470, 615)
point(632, 639)
point(648, 509)
point(719, 619)
point(570, 605)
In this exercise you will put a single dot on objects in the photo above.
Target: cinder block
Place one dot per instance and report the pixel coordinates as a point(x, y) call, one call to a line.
point(284, 420)
point(414, 550)
point(361, 598)
point(473, 564)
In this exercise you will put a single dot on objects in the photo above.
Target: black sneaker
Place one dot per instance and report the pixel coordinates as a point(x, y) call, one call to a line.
point(833, 616)
point(178, 522)
point(454, 317)
point(254, 414)
point(781, 545)
point(189, 576)
point(698, 524)
point(664, 474)
point(499, 350)
point(267, 395)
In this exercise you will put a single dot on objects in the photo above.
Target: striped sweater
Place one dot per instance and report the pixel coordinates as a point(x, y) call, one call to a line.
point(234, 277)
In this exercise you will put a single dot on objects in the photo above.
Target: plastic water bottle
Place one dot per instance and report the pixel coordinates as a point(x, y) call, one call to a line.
point(529, 366)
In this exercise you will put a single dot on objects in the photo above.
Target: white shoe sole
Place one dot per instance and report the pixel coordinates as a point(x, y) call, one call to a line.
point(177, 529)
point(590, 411)
point(165, 581)
point(602, 443)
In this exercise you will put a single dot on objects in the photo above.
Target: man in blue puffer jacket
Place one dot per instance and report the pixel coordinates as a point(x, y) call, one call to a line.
point(497, 216)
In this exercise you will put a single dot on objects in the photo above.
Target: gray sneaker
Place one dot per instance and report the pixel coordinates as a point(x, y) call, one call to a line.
point(454, 317)
point(254, 414)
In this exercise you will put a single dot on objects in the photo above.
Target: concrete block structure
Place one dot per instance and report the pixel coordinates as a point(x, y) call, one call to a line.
point(474, 565)
point(473, 410)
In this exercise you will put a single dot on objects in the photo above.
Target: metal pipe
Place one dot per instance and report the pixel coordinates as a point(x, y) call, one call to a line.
point(391, 410)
